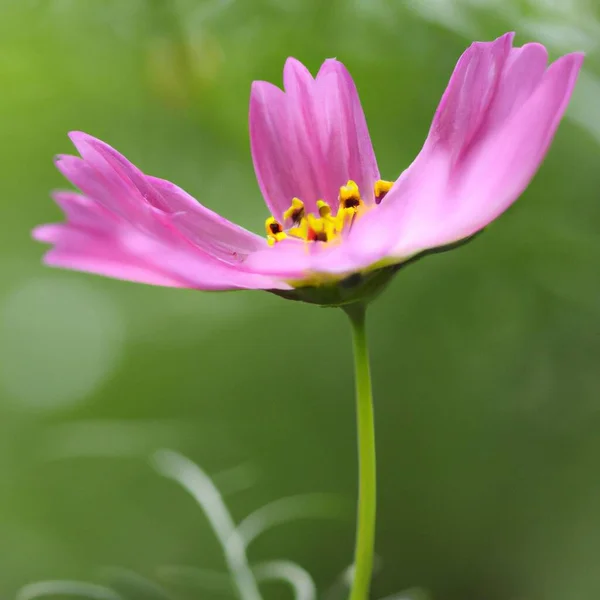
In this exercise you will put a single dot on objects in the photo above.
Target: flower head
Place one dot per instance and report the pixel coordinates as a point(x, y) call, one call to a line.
point(336, 230)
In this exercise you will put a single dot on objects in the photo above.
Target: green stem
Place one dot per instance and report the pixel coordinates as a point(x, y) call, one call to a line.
point(365, 529)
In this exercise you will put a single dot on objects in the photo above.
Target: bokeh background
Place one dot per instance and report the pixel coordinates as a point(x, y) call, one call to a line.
point(485, 359)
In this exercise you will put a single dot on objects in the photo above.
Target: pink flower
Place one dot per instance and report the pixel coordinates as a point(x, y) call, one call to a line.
point(333, 219)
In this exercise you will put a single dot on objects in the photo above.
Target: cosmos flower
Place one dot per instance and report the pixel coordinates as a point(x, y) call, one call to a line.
point(336, 230)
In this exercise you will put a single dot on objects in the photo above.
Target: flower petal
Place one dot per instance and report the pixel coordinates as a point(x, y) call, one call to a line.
point(116, 168)
point(310, 140)
point(464, 106)
point(504, 163)
point(80, 252)
point(489, 136)
point(206, 229)
point(98, 241)
point(282, 164)
point(86, 243)
point(295, 260)
point(345, 139)
point(130, 226)
point(523, 71)
point(110, 178)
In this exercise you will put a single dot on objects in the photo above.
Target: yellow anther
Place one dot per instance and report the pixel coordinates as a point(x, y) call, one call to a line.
point(324, 209)
point(274, 231)
point(272, 226)
point(381, 189)
point(344, 218)
point(319, 229)
point(350, 195)
point(322, 225)
point(296, 211)
point(301, 231)
point(273, 239)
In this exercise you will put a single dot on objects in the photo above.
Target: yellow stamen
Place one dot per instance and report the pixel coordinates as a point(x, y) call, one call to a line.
point(344, 218)
point(295, 212)
point(322, 226)
point(274, 231)
point(319, 229)
point(350, 196)
point(324, 209)
point(301, 231)
point(381, 189)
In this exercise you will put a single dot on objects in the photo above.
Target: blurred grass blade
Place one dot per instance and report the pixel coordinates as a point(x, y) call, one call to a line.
point(410, 594)
point(299, 579)
point(192, 478)
point(80, 589)
point(290, 508)
point(133, 586)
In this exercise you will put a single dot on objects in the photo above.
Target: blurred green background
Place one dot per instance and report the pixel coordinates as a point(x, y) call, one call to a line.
point(485, 359)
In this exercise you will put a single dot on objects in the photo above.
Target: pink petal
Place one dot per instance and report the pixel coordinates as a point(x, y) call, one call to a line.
point(107, 189)
point(130, 226)
point(270, 140)
point(488, 138)
point(346, 145)
point(112, 180)
point(294, 260)
point(87, 243)
point(97, 241)
point(505, 162)
point(288, 260)
point(523, 71)
point(310, 140)
point(79, 252)
point(106, 160)
point(206, 229)
point(465, 103)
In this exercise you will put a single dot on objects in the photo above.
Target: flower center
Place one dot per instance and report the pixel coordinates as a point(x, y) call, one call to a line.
point(325, 227)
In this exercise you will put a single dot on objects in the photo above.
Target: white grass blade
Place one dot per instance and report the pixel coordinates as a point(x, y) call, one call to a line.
point(301, 582)
point(192, 478)
point(236, 479)
point(411, 594)
point(80, 589)
point(406, 595)
point(132, 584)
point(290, 508)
